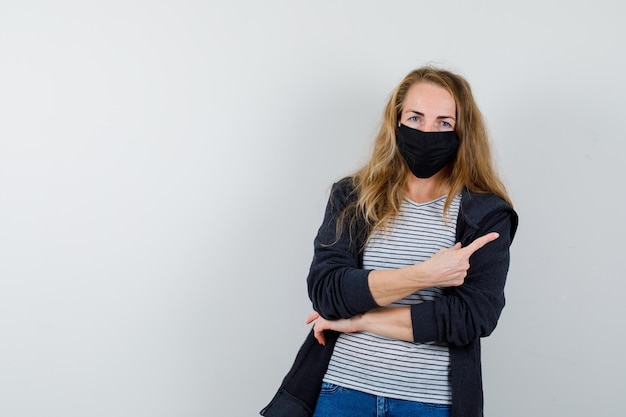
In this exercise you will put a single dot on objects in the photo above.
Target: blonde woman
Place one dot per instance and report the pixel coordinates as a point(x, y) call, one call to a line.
point(409, 267)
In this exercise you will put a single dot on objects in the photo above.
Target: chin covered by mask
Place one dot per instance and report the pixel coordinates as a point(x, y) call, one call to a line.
point(426, 153)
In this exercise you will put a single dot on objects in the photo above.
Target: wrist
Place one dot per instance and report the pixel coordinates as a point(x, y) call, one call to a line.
point(359, 323)
point(420, 276)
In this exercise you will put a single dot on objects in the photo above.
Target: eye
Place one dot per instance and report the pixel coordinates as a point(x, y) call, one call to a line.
point(447, 125)
point(414, 119)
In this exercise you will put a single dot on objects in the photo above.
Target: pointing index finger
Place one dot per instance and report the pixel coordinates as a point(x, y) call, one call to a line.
point(479, 242)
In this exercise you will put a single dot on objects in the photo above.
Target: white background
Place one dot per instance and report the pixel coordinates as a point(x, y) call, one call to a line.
point(164, 166)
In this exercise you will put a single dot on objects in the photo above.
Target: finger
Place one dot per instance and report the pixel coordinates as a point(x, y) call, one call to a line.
point(319, 335)
point(481, 241)
point(313, 316)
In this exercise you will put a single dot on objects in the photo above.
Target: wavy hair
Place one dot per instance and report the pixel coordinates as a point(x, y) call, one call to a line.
point(380, 183)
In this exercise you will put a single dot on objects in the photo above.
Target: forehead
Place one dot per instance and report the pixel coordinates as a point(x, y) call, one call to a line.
point(428, 97)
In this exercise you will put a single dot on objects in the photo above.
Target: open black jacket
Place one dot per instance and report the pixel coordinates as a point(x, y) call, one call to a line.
point(338, 288)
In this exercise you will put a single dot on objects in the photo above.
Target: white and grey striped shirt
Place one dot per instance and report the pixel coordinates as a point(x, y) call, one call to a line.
point(394, 368)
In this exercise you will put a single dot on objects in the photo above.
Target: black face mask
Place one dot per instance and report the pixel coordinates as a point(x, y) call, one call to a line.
point(426, 153)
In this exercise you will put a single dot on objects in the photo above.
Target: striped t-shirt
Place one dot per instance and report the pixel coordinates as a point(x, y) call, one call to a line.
point(394, 368)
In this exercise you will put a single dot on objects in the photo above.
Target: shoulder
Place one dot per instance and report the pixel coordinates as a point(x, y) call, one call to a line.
point(478, 203)
point(479, 208)
point(345, 185)
point(344, 191)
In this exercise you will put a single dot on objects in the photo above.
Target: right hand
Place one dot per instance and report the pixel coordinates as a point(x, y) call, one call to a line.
point(448, 267)
point(320, 324)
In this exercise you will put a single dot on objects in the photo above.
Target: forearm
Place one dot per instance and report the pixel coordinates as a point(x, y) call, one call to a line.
point(388, 286)
point(391, 322)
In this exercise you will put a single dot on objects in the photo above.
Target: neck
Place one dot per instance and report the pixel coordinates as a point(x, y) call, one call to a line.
point(422, 190)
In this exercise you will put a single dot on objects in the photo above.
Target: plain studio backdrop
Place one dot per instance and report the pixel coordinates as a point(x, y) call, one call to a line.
point(164, 166)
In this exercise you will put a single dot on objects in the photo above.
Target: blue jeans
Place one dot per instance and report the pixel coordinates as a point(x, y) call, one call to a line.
point(336, 401)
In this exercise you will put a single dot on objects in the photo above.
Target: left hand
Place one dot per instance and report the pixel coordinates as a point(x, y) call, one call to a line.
point(320, 324)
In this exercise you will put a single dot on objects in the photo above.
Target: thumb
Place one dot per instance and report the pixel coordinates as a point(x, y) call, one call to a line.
point(312, 317)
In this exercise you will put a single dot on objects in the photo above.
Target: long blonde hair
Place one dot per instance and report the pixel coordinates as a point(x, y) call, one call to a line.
point(380, 182)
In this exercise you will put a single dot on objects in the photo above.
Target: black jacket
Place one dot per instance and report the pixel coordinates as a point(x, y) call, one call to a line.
point(338, 288)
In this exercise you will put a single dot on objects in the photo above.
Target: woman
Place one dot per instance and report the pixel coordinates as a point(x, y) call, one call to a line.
point(399, 309)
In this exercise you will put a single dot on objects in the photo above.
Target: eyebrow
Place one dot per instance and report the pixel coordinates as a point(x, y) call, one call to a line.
point(422, 114)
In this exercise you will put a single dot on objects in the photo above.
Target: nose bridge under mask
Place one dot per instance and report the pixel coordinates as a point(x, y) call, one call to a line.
point(426, 153)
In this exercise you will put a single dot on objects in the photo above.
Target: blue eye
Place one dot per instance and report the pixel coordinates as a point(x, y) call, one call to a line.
point(446, 124)
point(414, 119)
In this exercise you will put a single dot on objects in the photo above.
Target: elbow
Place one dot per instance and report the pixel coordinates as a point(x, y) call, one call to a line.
point(341, 294)
point(477, 328)
point(469, 325)
point(329, 307)
point(325, 303)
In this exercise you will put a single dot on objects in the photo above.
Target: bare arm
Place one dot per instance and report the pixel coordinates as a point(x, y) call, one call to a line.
point(391, 322)
point(447, 268)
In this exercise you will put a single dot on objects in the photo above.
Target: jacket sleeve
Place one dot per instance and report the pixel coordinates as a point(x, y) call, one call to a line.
point(337, 285)
point(470, 311)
